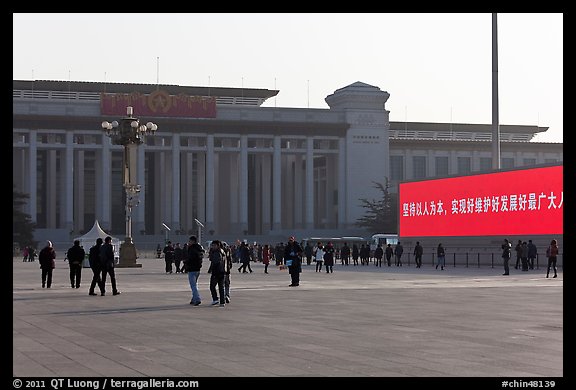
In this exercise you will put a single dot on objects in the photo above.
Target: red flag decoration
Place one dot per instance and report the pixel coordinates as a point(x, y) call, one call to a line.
point(158, 103)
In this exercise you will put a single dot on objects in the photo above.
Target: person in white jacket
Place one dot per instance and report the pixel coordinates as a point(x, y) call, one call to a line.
point(319, 256)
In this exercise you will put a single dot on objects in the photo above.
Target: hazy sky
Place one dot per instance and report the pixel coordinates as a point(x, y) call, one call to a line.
point(436, 67)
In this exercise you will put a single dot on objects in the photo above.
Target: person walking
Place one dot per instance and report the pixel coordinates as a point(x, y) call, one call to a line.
point(441, 255)
point(193, 264)
point(279, 254)
point(47, 262)
point(25, 254)
point(75, 257)
point(524, 256)
point(345, 254)
point(266, 254)
point(418, 252)
point(532, 253)
point(506, 254)
point(518, 249)
point(329, 257)
point(227, 269)
point(178, 256)
point(168, 256)
point(31, 254)
point(308, 249)
point(552, 254)
point(364, 254)
point(96, 267)
point(378, 254)
point(244, 258)
point(107, 263)
point(389, 252)
point(355, 253)
point(319, 256)
point(218, 269)
point(398, 253)
point(293, 259)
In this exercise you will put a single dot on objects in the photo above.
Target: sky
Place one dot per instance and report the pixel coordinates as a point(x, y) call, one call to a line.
point(436, 67)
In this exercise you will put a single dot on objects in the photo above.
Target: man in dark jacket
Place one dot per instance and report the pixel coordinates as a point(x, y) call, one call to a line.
point(398, 253)
point(418, 252)
point(46, 258)
point(107, 262)
point(244, 254)
point(506, 254)
point(168, 256)
point(193, 264)
point(75, 256)
point(178, 257)
point(293, 258)
point(218, 271)
point(96, 266)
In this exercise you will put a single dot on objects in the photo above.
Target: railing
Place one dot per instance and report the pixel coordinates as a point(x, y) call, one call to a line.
point(455, 259)
point(476, 259)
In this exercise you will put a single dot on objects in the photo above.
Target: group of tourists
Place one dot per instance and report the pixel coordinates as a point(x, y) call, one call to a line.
point(100, 257)
point(526, 253)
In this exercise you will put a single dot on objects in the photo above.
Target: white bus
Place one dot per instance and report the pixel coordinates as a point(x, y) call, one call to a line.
point(336, 241)
point(383, 239)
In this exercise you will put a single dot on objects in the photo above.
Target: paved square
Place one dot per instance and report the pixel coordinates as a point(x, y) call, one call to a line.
point(359, 321)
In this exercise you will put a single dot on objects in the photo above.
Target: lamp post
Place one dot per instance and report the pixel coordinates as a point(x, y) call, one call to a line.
point(166, 230)
point(129, 133)
point(200, 226)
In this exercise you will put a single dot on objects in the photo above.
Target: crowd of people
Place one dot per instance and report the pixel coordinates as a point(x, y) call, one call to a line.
point(221, 256)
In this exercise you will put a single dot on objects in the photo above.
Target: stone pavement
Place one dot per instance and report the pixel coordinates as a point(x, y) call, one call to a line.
point(359, 321)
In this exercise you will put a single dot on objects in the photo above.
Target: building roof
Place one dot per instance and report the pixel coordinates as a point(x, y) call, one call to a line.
point(464, 127)
point(107, 87)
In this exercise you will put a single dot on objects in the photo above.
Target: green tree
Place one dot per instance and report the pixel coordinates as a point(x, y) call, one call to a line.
point(22, 225)
point(381, 214)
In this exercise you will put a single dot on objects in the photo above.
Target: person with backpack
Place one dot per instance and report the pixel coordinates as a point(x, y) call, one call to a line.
point(217, 273)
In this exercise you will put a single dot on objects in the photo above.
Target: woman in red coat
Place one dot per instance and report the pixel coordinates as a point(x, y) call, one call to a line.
point(266, 254)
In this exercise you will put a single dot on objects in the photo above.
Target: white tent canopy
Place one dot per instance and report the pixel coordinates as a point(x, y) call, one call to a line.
point(89, 239)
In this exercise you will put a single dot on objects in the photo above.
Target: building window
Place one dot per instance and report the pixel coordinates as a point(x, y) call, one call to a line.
point(529, 161)
point(419, 167)
point(442, 166)
point(326, 144)
point(485, 164)
point(397, 168)
point(464, 165)
point(507, 163)
point(550, 160)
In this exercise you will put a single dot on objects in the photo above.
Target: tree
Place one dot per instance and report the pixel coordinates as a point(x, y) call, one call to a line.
point(381, 215)
point(22, 225)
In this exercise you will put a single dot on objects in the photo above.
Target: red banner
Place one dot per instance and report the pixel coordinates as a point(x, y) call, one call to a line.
point(158, 103)
point(519, 202)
